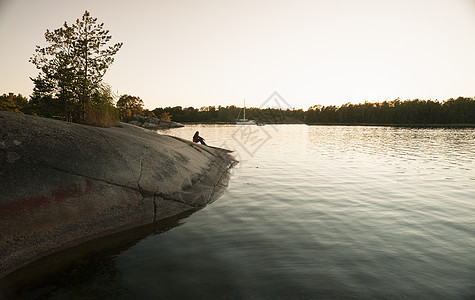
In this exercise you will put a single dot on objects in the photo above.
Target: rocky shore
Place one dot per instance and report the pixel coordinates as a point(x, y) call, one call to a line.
point(152, 123)
point(62, 184)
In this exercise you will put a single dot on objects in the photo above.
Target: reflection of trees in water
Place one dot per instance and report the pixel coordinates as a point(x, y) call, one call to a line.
point(88, 269)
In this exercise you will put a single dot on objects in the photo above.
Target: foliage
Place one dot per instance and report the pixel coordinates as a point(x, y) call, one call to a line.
point(411, 112)
point(452, 111)
point(71, 69)
point(129, 106)
point(12, 102)
point(230, 114)
point(165, 116)
point(101, 111)
point(148, 114)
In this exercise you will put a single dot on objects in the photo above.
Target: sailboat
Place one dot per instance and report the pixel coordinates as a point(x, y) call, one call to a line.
point(245, 121)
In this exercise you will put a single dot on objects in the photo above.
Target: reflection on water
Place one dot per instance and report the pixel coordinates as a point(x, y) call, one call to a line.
point(313, 212)
point(91, 263)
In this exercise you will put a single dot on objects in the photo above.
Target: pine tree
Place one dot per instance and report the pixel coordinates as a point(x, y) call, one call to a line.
point(73, 64)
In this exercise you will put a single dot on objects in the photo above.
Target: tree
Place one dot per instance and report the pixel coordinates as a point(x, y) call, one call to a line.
point(12, 103)
point(165, 116)
point(73, 64)
point(129, 106)
point(149, 114)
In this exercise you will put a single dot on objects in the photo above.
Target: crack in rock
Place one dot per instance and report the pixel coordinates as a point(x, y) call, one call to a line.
point(87, 177)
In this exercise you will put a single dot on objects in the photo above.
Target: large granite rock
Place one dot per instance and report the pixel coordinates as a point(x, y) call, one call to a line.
point(63, 183)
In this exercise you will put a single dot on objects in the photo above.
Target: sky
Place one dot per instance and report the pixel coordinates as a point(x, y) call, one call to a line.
point(211, 53)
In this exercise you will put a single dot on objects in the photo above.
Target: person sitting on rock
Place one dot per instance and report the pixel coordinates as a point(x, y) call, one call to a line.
point(197, 138)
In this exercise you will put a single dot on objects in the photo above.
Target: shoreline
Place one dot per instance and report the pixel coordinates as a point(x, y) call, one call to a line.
point(344, 124)
point(397, 125)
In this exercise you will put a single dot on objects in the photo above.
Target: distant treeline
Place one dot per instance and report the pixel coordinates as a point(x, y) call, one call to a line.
point(411, 112)
point(459, 111)
point(452, 111)
point(229, 114)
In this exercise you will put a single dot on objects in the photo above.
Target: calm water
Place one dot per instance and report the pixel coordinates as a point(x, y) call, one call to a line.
point(310, 212)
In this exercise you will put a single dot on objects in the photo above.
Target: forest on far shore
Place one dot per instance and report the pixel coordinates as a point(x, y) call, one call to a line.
point(460, 111)
point(410, 112)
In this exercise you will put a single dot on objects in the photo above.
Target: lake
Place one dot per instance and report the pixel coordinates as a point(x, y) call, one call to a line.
point(311, 212)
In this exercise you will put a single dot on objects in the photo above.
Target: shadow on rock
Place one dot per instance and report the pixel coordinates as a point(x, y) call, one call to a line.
point(40, 278)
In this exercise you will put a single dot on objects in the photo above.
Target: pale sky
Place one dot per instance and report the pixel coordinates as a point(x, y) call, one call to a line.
point(200, 53)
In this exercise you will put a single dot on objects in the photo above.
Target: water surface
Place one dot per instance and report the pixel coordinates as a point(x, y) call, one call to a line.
point(310, 212)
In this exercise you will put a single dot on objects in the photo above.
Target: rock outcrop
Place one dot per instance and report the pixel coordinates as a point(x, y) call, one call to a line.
point(62, 184)
point(153, 123)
